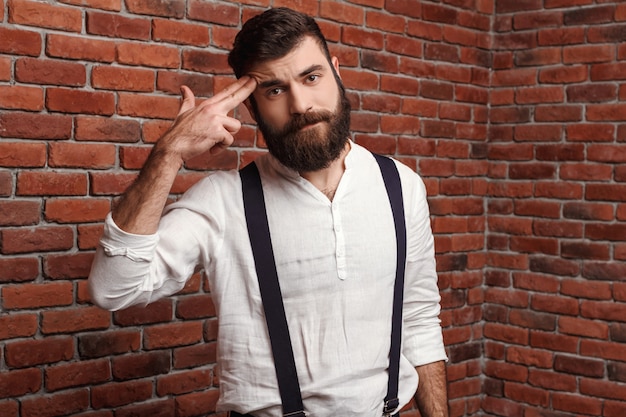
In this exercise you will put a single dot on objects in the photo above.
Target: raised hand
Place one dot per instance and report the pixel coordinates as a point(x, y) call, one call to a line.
point(206, 126)
point(197, 129)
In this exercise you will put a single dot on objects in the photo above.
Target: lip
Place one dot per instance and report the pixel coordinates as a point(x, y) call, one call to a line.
point(310, 126)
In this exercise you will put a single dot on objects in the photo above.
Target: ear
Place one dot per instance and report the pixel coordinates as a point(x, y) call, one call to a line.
point(335, 62)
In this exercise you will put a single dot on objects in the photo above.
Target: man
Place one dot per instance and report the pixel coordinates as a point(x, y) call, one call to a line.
point(331, 228)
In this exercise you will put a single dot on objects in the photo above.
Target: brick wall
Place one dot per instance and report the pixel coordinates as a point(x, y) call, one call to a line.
point(512, 111)
point(555, 298)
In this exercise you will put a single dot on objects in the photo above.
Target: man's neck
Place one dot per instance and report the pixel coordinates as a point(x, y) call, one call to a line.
point(327, 180)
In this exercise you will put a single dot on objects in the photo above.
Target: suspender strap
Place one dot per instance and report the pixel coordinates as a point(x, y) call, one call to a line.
point(391, 177)
point(259, 232)
point(260, 239)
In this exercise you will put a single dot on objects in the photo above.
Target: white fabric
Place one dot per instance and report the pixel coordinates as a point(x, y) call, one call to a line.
point(336, 265)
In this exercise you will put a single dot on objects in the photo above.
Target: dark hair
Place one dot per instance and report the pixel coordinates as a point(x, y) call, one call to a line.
point(272, 35)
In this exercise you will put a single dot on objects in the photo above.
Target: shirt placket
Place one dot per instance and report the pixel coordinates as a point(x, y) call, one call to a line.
point(340, 243)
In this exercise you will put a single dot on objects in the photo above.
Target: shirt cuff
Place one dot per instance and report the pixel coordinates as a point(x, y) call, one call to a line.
point(116, 242)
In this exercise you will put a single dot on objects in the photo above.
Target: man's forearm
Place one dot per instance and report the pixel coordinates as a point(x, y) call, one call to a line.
point(432, 391)
point(140, 208)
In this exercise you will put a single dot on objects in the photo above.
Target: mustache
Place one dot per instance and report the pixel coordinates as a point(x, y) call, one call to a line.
point(299, 121)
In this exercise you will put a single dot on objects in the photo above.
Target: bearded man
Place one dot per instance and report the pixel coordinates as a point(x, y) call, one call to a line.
point(332, 239)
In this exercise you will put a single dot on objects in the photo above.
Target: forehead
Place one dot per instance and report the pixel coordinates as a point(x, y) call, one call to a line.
point(306, 54)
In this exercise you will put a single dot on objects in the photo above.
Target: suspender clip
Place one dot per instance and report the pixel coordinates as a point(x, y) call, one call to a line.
point(390, 406)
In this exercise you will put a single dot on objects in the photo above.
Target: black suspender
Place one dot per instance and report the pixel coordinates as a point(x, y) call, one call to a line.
point(260, 239)
point(259, 232)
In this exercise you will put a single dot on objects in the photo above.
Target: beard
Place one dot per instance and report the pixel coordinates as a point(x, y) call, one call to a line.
point(315, 147)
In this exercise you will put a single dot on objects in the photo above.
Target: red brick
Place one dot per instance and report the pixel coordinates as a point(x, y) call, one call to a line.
point(206, 62)
point(535, 282)
point(506, 371)
point(596, 132)
point(161, 408)
point(21, 98)
point(18, 383)
point(35, 126)
point(20, 42)
point(180, 383)
point(89, 236)
point(19, 212)
point(171, 81)
point(562, 190)
point(18, 269)
point(172, 8)
point(120, 393)
point(5, 68)
point(403, 8)
point(588, 54)
point(585, 251)
point(149, 55)
point(589, 15)
point(362, 38)
point(199, 306)
point(602, 349)
point(195, 355)
point(552, 381)
point(555, 343)
point(608, 72)
point(51, 183)
point(76, 320)
point(110, 183)
point(37, 295)
point(36, 239)
point(512, 299)
point(48, 71)
point(588, 211)
point(20, 154)
point(17, 325)
point(111, 342)
point(554, 304)
point(117, 26)
point(222, 14)
point(606, 192)
point(576, 404)
point(529, 357)
point(48, 15)
point(175, 334)
point(77, 374)
point(563, 75)
point(147, 106)
point(125, 79)
point(75, 47)
point(80, 155)
point(199, 403)
point(585, 328)
point(157, 312)
point(526, 394)
point(77, 101)
point(76, 210)
point(585, 172)
point(140, 365)
point(386, 23)
point(29, 353)
point(107, 129)
point(112, 5)
point(180, 33)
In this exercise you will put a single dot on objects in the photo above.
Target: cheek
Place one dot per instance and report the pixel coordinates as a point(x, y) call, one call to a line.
point(274, 113)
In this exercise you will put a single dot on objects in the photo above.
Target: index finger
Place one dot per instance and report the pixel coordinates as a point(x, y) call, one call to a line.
point(236, 93)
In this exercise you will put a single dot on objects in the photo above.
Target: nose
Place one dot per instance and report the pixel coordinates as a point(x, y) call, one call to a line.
point(299, 100)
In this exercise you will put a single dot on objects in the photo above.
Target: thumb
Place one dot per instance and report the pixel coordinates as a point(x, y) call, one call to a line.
point(188, 99)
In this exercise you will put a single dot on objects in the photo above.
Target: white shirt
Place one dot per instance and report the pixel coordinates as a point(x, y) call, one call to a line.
point(336, 265)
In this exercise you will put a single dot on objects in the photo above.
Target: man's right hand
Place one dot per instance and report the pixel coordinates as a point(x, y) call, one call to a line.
point(197, 129)
point(206, 126)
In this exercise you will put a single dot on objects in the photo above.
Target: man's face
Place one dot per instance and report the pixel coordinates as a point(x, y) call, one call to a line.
point(301, 108)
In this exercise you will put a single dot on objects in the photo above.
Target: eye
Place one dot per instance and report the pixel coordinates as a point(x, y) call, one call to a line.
point(273, 92)
point(311, 78)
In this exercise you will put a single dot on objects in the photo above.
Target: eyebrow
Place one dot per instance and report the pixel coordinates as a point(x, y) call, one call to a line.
point(276, 82)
